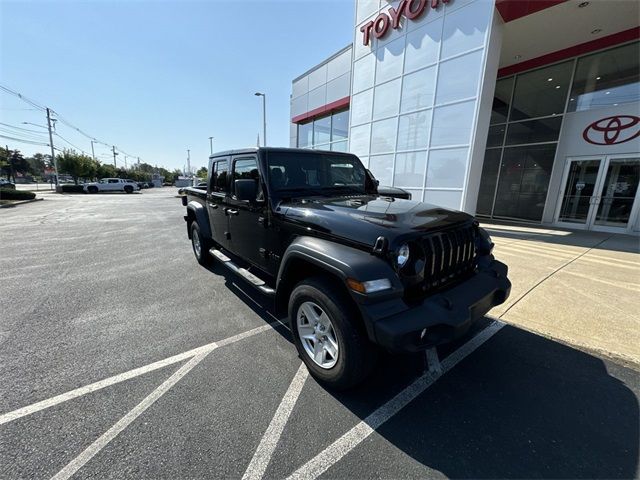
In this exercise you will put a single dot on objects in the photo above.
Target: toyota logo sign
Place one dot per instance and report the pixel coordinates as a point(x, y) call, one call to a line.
point(612, 130)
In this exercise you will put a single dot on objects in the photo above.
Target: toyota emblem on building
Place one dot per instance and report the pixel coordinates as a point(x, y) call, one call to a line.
point(612, 130)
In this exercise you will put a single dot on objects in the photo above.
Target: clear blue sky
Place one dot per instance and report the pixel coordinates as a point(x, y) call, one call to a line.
point(155, 78)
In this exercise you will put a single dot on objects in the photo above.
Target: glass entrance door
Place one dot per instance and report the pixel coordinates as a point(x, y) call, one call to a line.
point(579, 191)
point(617, 194)
point(601, 193)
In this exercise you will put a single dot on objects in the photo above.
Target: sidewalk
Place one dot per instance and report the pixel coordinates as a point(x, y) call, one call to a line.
point(581, 288)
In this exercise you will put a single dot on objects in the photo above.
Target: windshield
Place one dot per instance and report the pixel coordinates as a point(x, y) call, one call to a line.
point(315, 173)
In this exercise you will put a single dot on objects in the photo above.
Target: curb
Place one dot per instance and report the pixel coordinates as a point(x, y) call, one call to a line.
point(20, 202)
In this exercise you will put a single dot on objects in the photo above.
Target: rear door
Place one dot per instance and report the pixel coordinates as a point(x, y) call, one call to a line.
point(248, 220)
point(217, 201)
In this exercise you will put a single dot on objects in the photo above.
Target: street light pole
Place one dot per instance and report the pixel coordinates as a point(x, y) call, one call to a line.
point(211, 144)
point(53, 153)
point(264, 117)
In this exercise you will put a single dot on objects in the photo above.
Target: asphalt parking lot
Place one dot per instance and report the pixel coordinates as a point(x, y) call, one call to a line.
point(120, 357)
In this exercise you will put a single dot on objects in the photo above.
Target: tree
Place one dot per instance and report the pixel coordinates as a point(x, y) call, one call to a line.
point(202, 172)
point(77, 165)
point(106, 170)
point(4, 162)
point(12, 162)
point(37, 163)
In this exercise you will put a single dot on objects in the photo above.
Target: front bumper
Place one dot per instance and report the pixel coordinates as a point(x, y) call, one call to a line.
point(446, 315)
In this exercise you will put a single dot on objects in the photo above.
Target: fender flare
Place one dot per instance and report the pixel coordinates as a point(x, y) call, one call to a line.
point(201, 217)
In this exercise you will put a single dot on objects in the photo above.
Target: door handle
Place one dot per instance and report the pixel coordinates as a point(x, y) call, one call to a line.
point(213, 205)
point(230, 211)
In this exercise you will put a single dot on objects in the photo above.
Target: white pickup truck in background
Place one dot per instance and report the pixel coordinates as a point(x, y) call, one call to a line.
point(111, 185)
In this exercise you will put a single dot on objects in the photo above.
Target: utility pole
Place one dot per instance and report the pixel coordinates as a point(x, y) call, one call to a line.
point(264, 117)
point(53, 153)
point(93, 153)
point(211, 144)
point(189, 163)
point(125, 162)
point(113, 148)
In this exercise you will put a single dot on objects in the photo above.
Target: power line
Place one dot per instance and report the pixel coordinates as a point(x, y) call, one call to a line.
point(30, 142)
point(22, 128)
point(74, 146)
point(22, 97)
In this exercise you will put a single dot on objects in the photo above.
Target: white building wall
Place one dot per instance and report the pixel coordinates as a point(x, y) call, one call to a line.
point(415, 105)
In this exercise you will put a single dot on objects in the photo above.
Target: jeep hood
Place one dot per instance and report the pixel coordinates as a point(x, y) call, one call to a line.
point(362, 219)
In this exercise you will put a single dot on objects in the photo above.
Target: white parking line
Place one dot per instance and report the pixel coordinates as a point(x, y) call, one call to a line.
point(102, 441)
point(267, 446)
point(136, 372)
point(350, 440)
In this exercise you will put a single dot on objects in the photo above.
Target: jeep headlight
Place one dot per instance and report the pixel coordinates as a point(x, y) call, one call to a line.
point(403, 255)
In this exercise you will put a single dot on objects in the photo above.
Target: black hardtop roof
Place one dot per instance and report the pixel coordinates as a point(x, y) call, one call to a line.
point(242, 151)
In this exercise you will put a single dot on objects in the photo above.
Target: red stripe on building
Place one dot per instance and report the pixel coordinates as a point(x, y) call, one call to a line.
point(581, 49)
point(320, 111)
point(513, 9)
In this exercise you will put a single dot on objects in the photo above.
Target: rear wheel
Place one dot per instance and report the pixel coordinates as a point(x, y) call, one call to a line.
point(128, 189)
point(328, 334)
point(201, 245)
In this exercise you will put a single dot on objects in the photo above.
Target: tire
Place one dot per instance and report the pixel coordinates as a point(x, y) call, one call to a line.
point(128, 189)
point(355, 354)
point(200, 245)
point(92, 189)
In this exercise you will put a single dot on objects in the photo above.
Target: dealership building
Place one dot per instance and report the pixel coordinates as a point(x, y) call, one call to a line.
point(520, 110)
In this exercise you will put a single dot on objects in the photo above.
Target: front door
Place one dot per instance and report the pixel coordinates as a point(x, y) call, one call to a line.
point(248, 220)
point(217, 201)
point(600, 193)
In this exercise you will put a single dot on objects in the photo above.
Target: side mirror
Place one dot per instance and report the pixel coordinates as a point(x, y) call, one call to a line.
point(246, 190)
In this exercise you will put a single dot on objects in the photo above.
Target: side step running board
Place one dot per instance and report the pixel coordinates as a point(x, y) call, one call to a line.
point(243, 272)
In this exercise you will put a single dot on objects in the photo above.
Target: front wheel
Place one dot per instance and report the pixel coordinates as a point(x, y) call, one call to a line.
point(328, 334)
point(92, 189)
point(128, 189)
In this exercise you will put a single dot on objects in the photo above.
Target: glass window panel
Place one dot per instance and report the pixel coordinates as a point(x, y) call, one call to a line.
point(389, 64)
point(383, 136)
point(488, 181)
point(444, 198)
point(305, 134)
point(322, 130)
point(361, 107)
point(410, 169)
point(339, 146)
point(422, 46)
point(458, 78)
point(619, 192)
point(359, 140)
point(524, 180)
point(464, 29)
point(607, 78)
point(496, 135)
point(366, 8)
point(415, 194)
point(452, 124)
point(417, 90)
point(501, 100)
point(413, 130)
point(541, 92)
point(340, 125)
point(382, 168)
point(363, 73)
point(534, 131)
point(446, 168)
point(386, 99)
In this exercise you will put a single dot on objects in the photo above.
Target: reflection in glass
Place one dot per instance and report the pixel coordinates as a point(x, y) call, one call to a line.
point(386, 99)
point(496, 135)
point(607, 78)
point(534, 131)
point(446, 168)
point(541, 92)
point(618, 192)
point(417, 90)
point(322, 130)
point(581, 182)
point(524, 180)
point(488, 181)
point(413, 131)
point(305, 134)
point(501, 99)
point(383, 136)
point(340, 126)
point(410, 169)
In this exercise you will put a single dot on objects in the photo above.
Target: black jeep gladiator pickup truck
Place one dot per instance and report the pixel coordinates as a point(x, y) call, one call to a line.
point(352, 269)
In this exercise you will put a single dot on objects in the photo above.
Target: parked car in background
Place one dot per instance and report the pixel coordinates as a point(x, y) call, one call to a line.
point(4, 183)
point(111, 185)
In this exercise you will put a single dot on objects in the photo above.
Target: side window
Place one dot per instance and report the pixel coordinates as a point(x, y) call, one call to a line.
point(246, 169)
point(219, 174)
point(114, 180)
